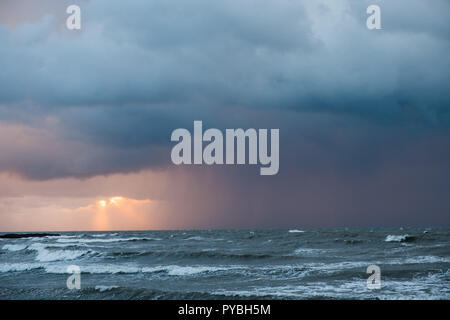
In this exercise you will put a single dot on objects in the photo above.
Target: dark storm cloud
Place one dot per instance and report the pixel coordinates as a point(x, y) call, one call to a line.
point(139, 69)
point(251, 53)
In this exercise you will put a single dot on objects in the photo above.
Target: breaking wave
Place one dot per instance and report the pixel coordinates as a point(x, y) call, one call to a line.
point(400, 238)
point(14, 247)
point(296, 231)
point(44, 254)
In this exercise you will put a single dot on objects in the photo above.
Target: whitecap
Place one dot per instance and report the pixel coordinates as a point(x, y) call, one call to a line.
point(424, 259)
point(171, 270)
point(14, 247)
point(102, 235)
point(18, 267)
point(308, 251)
point(190, 270)
point(397, 238)
point(105, 288)
point(196, 238)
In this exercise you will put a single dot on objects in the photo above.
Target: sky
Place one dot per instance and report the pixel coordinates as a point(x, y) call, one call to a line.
point(86, 115)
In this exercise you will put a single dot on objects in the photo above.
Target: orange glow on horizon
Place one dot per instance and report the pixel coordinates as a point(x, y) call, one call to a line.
point(111, 210)
point(81, 205)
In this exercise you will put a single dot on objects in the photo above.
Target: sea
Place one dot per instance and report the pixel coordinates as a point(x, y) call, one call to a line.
point(229, 264)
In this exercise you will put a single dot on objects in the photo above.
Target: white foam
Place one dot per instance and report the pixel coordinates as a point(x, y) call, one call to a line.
point(196, 238)
point(105, 288)
point(14, 247)
point(54, 268)
point(18, 267)
point(296, 231)
point(45, 255)
point(171, 270)
point(429, 287)
point(187, 270)
point(336, 266)
point(396, 238)
point(64, 245)
point(59, 255)
point(425, 259)
point(308, 251)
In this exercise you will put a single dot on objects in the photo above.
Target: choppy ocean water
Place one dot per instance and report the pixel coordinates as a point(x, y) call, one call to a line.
point(229, 264)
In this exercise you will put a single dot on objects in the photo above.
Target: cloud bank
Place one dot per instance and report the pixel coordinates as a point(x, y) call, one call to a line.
point(363, 115)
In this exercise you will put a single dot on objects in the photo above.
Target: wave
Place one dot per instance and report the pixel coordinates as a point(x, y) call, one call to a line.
point(171, 270)
point(46, 255)
point(424, 259)
point(400, 238)
point(309, 251)
point(313, 269)
point(196, 238)
point(105, 288)
point(28, 235)
point(68, 250)
point(101, 235)
point(21, 267)
point(199, 238)
point(14, 247)
point(106, 240)
point(184, 270)
point(210, 253)
point(65, 236)
point(429, 287)
point(18, 267)
point(296, 231)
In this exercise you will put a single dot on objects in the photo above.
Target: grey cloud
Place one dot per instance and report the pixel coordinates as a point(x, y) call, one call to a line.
point(139, 69)
point(270, 54)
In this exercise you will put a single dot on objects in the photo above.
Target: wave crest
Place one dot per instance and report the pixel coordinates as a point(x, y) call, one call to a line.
point(400, 238)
